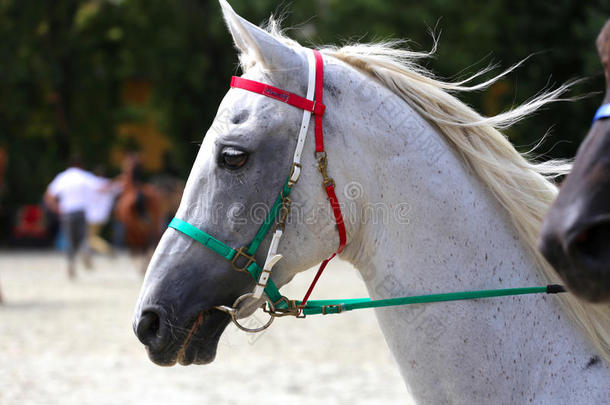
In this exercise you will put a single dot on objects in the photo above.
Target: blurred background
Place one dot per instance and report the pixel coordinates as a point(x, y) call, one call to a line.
point(116, 81)
point(102, 78)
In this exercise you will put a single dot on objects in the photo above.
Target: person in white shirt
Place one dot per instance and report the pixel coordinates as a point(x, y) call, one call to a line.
point(69, 195)
point(98, 213)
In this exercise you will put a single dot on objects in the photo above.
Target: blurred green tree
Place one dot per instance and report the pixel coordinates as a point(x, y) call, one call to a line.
point(63, 64)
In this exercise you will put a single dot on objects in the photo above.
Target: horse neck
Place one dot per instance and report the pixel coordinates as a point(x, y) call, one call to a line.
point(430, 226)
point(433, 223)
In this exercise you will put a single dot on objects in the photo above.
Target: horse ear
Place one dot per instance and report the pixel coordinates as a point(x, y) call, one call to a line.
point(258, 44)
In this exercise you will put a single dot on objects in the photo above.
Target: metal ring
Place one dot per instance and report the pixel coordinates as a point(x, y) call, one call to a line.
point(232, 311)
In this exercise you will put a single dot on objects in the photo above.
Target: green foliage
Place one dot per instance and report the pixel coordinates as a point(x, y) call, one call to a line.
point(63, 63)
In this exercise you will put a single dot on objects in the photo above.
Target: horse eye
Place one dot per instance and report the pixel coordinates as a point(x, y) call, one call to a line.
point(233, 158)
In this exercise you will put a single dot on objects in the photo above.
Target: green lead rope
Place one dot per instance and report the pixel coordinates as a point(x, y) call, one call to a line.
point(337, 306)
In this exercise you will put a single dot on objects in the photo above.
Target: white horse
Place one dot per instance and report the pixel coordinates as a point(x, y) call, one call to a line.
point(399, 145)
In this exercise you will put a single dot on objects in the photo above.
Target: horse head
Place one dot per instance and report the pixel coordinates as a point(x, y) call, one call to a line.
point(576, 233)
point(243, 163)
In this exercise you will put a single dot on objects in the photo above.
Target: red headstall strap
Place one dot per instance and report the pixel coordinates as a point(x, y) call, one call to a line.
point(278, 94)
point(317, 108)
point(328, 183)
point(319, 99)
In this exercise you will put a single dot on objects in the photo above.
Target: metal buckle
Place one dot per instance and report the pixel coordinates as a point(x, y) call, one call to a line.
point(232, 312)
point(322, 165)
point(242, 252)
point(292, 310)
point(283, 215)
point(338, 306)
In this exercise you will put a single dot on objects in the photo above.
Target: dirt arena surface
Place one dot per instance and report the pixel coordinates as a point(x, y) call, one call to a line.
point(71, 343)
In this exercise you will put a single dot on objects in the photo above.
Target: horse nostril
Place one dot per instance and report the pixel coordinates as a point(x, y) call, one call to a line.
point(583, 237)
point(149, 329)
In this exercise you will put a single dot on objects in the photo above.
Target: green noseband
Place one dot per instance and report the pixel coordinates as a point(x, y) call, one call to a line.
point(243, 256)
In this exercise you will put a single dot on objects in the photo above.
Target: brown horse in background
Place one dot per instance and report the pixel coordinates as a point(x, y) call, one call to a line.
point(139, 209)
point(576, 233)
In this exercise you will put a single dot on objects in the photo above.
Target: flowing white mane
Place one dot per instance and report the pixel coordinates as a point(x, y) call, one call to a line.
point(524, 188)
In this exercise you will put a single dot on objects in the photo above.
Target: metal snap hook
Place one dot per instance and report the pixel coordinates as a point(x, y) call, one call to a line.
point(232, 312)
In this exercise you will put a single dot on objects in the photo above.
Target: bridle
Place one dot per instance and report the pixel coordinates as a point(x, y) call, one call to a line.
point(243, 259)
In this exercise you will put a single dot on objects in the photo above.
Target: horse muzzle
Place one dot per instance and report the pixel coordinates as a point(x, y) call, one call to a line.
point(580, 253)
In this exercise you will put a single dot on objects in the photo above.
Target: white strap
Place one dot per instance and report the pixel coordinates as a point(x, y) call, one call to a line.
point(272, 256)
point(272, 259)
point(311, 86)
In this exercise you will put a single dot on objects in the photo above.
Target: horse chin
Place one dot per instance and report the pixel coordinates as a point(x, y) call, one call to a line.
point(196, 346)
point(591, 287)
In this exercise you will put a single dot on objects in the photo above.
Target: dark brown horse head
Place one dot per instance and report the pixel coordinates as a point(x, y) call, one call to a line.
point(576, 233)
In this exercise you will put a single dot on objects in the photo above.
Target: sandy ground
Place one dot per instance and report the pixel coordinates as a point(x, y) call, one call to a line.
point(67, 342)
